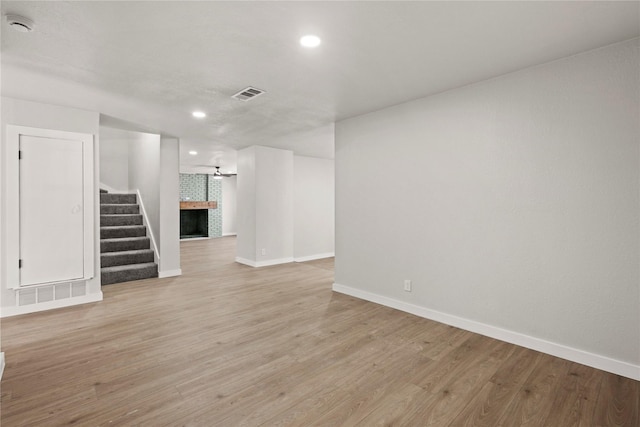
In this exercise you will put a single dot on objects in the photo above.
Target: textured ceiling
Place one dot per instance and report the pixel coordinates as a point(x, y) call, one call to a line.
point(152, 63)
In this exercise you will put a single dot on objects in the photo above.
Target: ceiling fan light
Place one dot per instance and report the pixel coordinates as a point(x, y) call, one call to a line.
point(217, 174)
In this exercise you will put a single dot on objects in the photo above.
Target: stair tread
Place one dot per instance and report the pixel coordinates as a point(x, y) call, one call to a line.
point(129, 267)
point(129, 214)
point(123, 239)
point(131, 252)
point(120, 209)
point(113, 227)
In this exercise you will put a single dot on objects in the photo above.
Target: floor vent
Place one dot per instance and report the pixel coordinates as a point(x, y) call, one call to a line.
point(49, 293)
point(248, 93)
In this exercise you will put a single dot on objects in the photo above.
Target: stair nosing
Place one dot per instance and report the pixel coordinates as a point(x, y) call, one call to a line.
point(121, 226)
point(125, 238)
point(127, 252)
point(130, 266)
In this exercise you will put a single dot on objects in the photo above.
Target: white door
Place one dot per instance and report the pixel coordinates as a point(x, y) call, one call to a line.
point(51, 210)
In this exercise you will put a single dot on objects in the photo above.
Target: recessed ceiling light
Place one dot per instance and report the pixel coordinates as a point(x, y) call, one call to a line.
point(199, 114)
point(193, 153)
point(310, 41)
point(20, 23)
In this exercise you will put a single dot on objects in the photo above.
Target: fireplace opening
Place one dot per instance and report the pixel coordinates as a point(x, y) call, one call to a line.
point(194, 223)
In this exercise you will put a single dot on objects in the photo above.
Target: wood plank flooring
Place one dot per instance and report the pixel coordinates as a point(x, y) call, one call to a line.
point(230, 345)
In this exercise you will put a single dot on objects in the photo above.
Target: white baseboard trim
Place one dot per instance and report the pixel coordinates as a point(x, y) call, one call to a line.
point(569, 353)
point(314, 257)
point(1, 364)
point(169, 273)
point(263, 263)
point(50, 305)
point(145, 222)
point(186, 239)
point(245, 261)
point(229, 234)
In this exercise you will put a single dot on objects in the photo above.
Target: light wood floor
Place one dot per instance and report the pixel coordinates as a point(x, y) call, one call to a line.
point(230, 345)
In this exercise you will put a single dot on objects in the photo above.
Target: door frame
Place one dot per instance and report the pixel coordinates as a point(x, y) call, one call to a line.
point(12, 187)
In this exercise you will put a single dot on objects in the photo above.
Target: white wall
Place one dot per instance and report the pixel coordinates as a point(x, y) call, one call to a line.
point(265, 206)
point(313, 206)
point(513, 207)
point(33, 114)
point(114, 162)
point(246, 205)
point(229, 205)
point(144, 174)
point(274, 204)
point(169, 226)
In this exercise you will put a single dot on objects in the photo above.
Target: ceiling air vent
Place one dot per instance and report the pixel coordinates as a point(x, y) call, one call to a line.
point(248, 93)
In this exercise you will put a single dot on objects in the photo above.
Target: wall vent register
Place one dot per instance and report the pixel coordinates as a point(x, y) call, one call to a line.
point(248, 93)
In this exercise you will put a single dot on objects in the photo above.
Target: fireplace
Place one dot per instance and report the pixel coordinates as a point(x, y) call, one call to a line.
point(194, 223)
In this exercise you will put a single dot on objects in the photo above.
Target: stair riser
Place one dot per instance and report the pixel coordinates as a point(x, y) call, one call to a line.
point(110, 259)
point(127, 245)
point(117, 233)
point(109, 278)
point(110, 221)
point(119, 209)
point(114, 199)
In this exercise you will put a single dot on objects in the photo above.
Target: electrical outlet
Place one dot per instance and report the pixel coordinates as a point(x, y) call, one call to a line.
point(264, 251)
point(407, 285)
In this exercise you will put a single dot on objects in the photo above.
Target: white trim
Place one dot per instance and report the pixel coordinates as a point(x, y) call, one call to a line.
point(112, 190)
point(50, 305)
point(145, 220)
point(264, 263)
point(229, 234)
point(314, 257)
point(246, 262)
point(569, 353)
point(186, 239)
point(169, 273)
point(1, 364)
point(13, 134)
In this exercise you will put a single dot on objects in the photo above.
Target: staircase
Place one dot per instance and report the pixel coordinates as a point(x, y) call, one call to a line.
point(125, 252)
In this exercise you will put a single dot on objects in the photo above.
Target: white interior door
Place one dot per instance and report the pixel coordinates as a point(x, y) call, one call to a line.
point(51, 210)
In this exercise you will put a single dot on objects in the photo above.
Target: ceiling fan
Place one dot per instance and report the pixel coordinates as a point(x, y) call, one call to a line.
point(217, 174)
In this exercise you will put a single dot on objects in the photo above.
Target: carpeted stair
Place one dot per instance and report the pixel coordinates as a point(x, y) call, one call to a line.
point(125, 252)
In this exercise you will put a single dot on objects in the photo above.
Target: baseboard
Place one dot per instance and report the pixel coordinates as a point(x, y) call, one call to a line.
point(169, 273)
point(246, 261)
point(50, 305)
point(229, 234)
point(145, 222)
point(1, 364)
point(263, 263)
point(194, 238)
point(569, 353)
point(314, 257)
